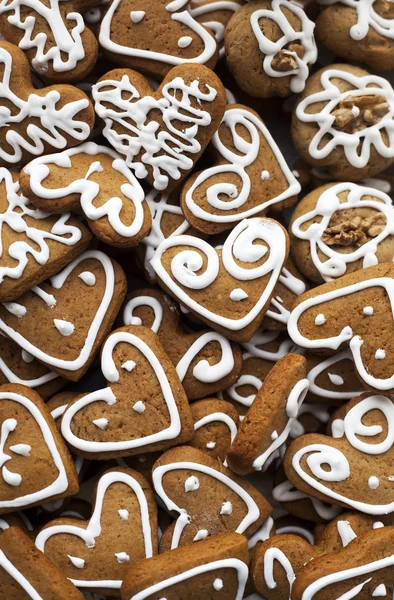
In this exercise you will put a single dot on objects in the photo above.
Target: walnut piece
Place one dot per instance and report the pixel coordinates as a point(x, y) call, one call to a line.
point(355, 232)
point(283, 61)
point(355, 113)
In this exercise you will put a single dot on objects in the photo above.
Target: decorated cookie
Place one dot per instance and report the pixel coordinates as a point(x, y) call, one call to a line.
point(35, 464)
point(206, 362)
point(233, 292)
point(249, 176)
point(343, 121)
point(270, 47)
point(215, 15)
point(208, 498)
point(340, 228)
point(333, 379)
point(291, 284)
point(34, 121)
point(215, 568)
point(215, 426)
point(144, 408)
point(154, 37)
point(76, 308)
point(319, 322)
point(268, 422)
point(18, 366)
point(95, 179)
point(96, 554)
point(34, 244)
point(27, 574)
point(360, 31)
point(161, 133)
point(357, 470)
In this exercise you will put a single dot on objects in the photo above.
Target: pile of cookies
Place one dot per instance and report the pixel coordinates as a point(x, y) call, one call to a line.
point(196, 299)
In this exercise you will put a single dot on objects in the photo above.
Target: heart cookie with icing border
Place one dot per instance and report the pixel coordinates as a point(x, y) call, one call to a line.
point(96, 554)
point(228, 287)
point(143, 409)
point(215, 426)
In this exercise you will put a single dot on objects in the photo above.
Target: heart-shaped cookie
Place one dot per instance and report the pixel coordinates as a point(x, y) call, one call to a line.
point(206, 362)
point(249, 176)
point(36, 121)
point(96, 554)
point(333, 379)
point(319, 322)
point(35, 465)
point(154, 37)
point(143, 409)
point(76, 308)
point(161, 133)
point(215, 426)
point(354, 468)
point(97, 180)
point(34, 244)
point(229, 287)
point(208, 498)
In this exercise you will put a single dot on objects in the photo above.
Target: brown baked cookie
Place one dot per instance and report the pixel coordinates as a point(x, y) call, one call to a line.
point(181, 117)
point(206, 362)
point(36, 121)
point(154, 37)
point(35, 464)
point(332, 379)
point(34, 244)
point(96, 180)
point(228, 287)
point(319, 322)
point(358, 31)
point(270, 47)
point(343, 121)
point(111, 423)
point(26, 573)
point(214, 14)
point(267, 424)
point(18, 366)
point(215, 426)
point(207, 496)
point(340, 228)
point(354, 467)
point(291, 284)
point(64, 321)
point(249, 175)
point(11, 520)
point(215, 568)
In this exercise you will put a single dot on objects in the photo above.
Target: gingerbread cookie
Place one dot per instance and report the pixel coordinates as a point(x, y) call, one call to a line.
point(268, 421)
point(95, 179)
point(249, 176)
point(215, 426)
point(208, 498)
point(80, 304)
point(233, 292)
point(318, 322)
point(270, 47)
point(215, 568)
point(359, 31)
point(161, 133)
point(35, 464)
point(332, 380)
point(157, 415)
point(214, 14)
point(154, 37)
point(343, 121)
point(96, 554)
point(34, 243)
point(340, 228)
point(291, 284)
point(35, 121)
point(206, 362)
point(26, 573)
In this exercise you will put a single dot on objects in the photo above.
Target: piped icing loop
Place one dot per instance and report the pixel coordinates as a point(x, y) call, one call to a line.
point(367, 17)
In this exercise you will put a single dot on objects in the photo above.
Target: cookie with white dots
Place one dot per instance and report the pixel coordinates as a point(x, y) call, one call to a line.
point(215, 426)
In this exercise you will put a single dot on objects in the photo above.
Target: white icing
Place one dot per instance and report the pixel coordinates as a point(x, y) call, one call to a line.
point(124, 514)
point(139, 407)
point(77, 562)
point(101, 423)
point(21, 580)
point(367, 18)
point(192, 484)
point(203, 371)
point(88, 278)
point(345, 532)
point(216, 27)
point(334, 395)
point(320, 319)
point(65, 328)
point(286, 492)
point(238, 294)
point(218, 417)
point(227, 508)
point(202, 534)
point(153, 303)
point(218, 584)
point(122, 557)
point(137, 16)
point(373, 482)
point(261, 534)
point(368, 310)
point(380, 354)
point(270, 556)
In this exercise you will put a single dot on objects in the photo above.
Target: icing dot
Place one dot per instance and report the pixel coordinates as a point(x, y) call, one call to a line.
point(218, 584)
point(211, 445)
point(137, 15)
point(28, 358)
point(64, 327)
point(238, 294)
point(227, 508)
point(265, 175)
point(373, 482)
point(124, 514)
point(274, 435)
point(390, 477)
point(380, 590)
point(320, 319)
point(15, 309)
point(192, 484)
point(139, 407)
point(122, 557)
point(135, 321)
point(200, 535)
point(88, 278)
point(377, 525)
point(128, 365)
point(185, 41)
point(355, 111)
point(380, 354)
point(13, 479)
point(21, 449)
point(335, 379)
point(101, 423)
point(368, 310)
point(337, 428)
point(77, 562)
point(296, 173)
